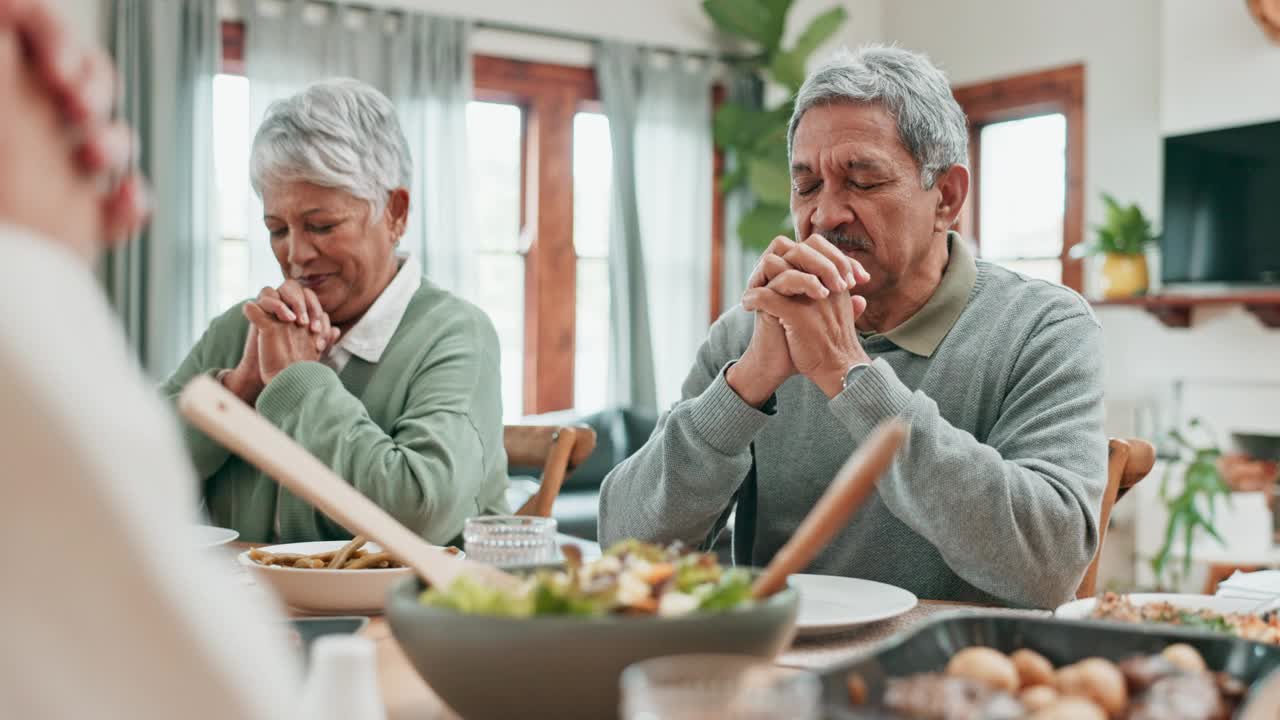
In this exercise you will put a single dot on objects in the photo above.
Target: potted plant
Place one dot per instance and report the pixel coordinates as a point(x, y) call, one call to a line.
point(757, 136)
point(1194, 507)
point(1122, 240)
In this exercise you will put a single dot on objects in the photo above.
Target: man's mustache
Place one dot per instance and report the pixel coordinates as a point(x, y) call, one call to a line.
point(846, 242)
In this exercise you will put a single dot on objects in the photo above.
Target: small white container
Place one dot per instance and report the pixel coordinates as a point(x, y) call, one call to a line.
point(343, 681)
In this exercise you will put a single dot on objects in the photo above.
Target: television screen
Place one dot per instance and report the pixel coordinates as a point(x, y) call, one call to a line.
point(1221, 193)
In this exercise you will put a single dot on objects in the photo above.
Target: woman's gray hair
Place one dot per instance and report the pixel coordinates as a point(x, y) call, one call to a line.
point(339, 133)
point(930, 122)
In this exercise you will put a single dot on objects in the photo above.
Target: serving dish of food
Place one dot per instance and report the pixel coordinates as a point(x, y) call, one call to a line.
point(631, 578)
point(998, 666)
point(578, 626)
point(1232, 616)
point(329, 576)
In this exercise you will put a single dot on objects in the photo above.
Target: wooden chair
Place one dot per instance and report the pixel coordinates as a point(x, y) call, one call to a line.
point(1128, 462)
point(557, 449)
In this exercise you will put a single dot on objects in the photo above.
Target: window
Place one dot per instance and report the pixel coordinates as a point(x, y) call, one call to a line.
point(592, 184)
point(1026, 152)
point(231, 142)
point(495, 134)
point(564, 159)
point(1024, 193)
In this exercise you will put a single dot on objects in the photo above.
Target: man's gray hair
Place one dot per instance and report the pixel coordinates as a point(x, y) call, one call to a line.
point(930, 122)
point(339, 133)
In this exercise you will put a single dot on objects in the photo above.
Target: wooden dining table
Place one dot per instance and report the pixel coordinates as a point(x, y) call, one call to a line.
point(408, 697)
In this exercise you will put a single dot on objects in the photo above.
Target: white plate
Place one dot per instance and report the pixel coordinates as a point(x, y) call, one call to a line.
point(207, 536)
point(327, 592)
point(1080, 609)
point(830, 604)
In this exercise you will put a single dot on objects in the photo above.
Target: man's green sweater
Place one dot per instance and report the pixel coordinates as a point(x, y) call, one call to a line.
point(419, 432)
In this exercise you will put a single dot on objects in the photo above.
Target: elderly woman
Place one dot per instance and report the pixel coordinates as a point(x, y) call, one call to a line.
point(392, 382)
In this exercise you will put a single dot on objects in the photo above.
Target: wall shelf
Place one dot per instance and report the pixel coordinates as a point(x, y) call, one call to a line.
point(1174, 309)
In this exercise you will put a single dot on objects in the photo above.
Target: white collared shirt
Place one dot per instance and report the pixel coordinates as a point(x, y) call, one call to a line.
point(372, 333)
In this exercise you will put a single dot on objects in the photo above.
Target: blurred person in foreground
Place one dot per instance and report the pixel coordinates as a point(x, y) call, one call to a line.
point(109, 610)
point(881, 310)
point(389, 380)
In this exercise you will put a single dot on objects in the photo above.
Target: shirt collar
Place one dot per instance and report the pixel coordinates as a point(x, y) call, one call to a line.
point(372, 333)
point(923, 332)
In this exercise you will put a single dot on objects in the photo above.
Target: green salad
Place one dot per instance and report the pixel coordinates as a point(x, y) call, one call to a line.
point(631, 578)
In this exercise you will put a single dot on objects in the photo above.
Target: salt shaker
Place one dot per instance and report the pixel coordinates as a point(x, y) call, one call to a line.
point(342, 683)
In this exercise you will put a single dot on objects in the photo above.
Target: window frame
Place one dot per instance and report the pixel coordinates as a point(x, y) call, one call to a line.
point(549, 96)
point(1058, 90)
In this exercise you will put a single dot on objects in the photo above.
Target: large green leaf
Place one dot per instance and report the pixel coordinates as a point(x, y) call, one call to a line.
point(778, 10)
point(737, 126)
point(769, 179)
point(762, 224)
point(773, 141)
point(734, 178)
point(751, 19)
point(788, 68)
point(819, 30)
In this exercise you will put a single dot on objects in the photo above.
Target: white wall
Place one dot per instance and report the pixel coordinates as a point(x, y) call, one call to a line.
point(1217, 68)
point(679, 24)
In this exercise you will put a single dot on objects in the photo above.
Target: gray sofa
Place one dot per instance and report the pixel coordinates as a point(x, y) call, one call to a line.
point(619, 433)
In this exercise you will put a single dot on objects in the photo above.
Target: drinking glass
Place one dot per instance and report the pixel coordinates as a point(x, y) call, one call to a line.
point(693, 687)
point(510, 540)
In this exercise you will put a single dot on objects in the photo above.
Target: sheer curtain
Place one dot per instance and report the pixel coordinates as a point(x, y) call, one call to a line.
point(631, 371)
point(422, 63)
point(659, 110)
point(162, 283)
point(739, 261)
point(674, 168)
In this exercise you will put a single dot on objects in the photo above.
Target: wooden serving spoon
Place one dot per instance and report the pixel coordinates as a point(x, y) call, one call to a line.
point(226, 418)
point(852, 485)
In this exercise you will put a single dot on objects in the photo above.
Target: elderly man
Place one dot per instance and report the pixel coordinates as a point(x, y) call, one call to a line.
point(881, 311)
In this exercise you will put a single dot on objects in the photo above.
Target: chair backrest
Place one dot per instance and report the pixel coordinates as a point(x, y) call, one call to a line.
point(1128, 462)
point(556, 449)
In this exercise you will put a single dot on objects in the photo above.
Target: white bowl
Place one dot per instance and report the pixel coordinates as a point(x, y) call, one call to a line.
point(1081, 609)
point(207, 536)
point(361, 592)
